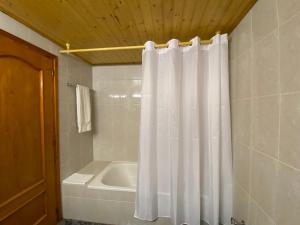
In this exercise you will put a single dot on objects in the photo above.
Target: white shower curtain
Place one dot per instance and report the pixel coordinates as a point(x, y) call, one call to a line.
point(185, 165)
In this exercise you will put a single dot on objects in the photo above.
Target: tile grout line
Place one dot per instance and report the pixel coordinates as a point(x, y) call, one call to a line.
point(271, 157)
point(266, 96)
point(263, 211)
point(286, 21)
point(279, 82)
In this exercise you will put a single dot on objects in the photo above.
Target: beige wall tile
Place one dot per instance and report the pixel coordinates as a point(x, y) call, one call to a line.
point(288, 196)
point(65, 119)
point(264, 16)
point(243, 81)
point(242, 121)
point(287, 9)
point(233, 79)
point(64, 143)
point(257, 216)
point(289, 151)
point(274, 188)
point(240, 203)
point(241, 37)
point(65, 94)
point(266, 125)
point(263, 187)
point(290, 55)
point(241, 165)
point(266, 66)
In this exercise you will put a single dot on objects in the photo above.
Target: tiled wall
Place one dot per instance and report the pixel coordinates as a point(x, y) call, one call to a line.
point(76, 150)
point(117, 112)
point(265, 92)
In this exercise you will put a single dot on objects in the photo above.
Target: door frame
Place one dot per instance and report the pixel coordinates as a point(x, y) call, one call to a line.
point(56, 130)
point(54, 59)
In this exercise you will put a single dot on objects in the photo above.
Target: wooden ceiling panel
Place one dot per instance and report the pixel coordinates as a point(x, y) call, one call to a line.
point(108, 23)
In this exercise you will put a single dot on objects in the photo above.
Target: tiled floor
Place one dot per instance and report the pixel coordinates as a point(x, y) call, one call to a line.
point(133, 221)
point(76, 222)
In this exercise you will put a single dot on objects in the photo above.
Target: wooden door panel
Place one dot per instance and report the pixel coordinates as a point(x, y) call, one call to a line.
point(33, 213)
point(28, 134)
point(24, 202)
point(19, 84)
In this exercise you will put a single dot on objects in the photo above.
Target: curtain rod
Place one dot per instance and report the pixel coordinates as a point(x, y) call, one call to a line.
point(187, 43)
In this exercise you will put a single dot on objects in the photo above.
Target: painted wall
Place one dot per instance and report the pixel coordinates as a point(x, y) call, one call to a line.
point(75, 149)
point(265, 94)
point(117, 112)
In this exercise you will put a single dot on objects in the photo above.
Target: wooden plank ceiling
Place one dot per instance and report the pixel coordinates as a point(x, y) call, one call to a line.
point(107, 23)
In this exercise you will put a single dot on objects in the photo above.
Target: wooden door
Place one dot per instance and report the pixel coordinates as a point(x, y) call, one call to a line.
point(29, 187)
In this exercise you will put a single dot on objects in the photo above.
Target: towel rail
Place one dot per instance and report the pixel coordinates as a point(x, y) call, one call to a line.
point(74, 85)
point(71, 85)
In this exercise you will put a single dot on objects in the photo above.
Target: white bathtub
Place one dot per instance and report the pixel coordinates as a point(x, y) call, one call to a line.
point(101, 192)
point(116, 176)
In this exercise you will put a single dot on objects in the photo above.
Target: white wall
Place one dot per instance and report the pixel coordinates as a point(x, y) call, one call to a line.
point(75, 150)
point(117, 112)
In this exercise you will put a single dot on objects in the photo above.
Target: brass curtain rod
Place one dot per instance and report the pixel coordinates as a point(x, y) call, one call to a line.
point(68, 50)
point(182, 44)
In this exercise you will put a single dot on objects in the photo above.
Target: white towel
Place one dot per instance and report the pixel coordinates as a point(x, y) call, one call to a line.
point(83, 102)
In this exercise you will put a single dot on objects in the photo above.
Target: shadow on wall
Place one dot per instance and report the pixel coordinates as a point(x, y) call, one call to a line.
point(93, 96)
